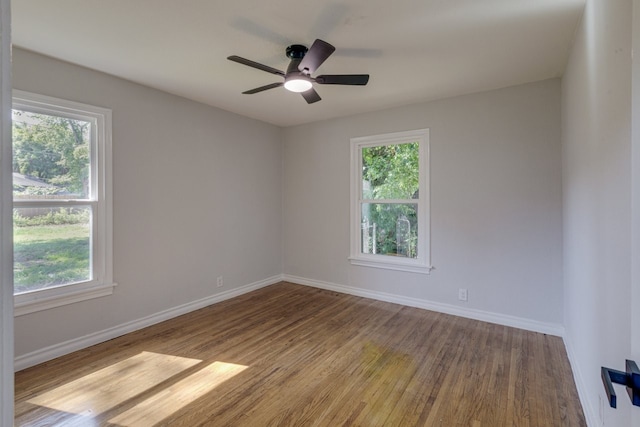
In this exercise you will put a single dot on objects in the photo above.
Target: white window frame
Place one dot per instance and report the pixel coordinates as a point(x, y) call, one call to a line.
point(101, 283)
point(421, 264)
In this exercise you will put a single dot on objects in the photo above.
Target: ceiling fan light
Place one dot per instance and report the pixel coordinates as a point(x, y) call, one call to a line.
point(297, 84)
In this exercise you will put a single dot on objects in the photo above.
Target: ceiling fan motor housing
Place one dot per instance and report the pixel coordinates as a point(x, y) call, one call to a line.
point(296, 51)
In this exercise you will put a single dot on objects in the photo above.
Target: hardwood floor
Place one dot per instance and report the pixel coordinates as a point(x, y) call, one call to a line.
point(290, 355)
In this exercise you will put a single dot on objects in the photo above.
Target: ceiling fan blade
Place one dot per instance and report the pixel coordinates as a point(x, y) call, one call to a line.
point(262, 88)
point(310, 96)
point(254, 64)
point(317, 54)
point(343, 79)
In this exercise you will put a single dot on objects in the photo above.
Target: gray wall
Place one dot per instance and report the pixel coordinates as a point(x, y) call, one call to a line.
point(496, 202)
point(596, 126)
point(197, 194)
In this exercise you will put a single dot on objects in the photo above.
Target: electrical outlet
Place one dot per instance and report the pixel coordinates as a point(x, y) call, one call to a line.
point(462, 294)
point(220, 282)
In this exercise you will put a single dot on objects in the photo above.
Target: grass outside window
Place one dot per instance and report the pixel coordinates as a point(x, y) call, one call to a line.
point(51, 249)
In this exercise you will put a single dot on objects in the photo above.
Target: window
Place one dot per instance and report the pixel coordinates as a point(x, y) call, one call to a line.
point(390, 201)
point(61, 202)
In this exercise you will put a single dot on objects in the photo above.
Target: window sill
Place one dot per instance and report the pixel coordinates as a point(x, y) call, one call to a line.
point(410, 268)
point(57, 297)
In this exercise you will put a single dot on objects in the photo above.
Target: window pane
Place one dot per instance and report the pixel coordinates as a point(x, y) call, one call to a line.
point(50, 157)
point(391, 171)
point(52, 247)
point(390, 229)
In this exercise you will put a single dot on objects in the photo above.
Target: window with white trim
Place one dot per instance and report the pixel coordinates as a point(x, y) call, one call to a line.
point(62, 210)
point(390, 201)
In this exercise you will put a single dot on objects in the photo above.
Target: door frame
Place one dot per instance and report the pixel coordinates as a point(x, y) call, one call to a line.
point(6, 226)
point(635, 194)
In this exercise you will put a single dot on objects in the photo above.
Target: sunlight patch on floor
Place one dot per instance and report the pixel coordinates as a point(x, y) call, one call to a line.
point(178, 395)
point(107, 388)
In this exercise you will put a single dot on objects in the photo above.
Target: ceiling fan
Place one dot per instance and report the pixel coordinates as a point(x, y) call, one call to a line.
point(304, 62)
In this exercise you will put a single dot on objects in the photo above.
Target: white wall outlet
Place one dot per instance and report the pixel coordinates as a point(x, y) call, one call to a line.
point(462, 294)
point(220, 282)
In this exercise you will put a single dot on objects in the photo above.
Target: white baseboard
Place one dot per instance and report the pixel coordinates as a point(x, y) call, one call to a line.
point(591, 414)
point(485, 316)
point(57, 350)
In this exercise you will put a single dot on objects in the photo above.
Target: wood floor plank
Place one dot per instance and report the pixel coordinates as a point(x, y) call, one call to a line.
point(289, 355)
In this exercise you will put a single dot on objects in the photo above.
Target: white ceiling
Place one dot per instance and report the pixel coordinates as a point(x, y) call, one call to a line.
point(414, 50)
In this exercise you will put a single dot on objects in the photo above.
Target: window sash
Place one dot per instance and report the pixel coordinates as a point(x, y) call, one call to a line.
point(420, 264)
point(99, 201)
point(39, 106)
point(96, 261)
